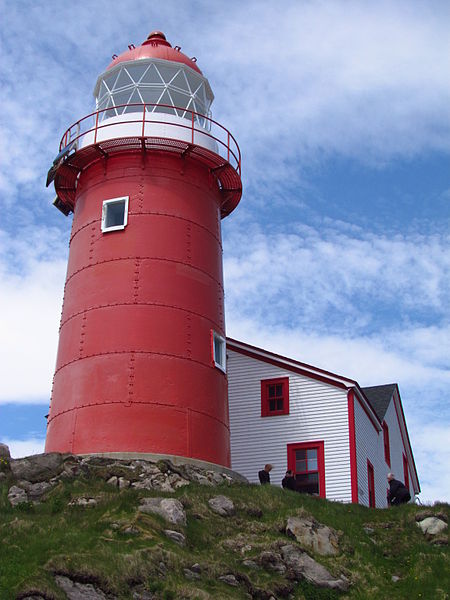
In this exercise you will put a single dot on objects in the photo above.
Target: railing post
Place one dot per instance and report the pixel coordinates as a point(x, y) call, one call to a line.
point(96, 125)
point(143, 122)
point(228, 147)
point(192, 114)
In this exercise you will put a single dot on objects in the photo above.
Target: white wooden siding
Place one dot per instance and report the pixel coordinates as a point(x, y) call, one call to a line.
point(369, 445)
point(317, 412)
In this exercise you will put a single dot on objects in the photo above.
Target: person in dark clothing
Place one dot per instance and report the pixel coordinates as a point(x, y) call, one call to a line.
point(288, 481)
point(398, 493)
point(264, 474)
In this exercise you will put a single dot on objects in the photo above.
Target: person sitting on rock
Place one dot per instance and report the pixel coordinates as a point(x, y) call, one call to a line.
point(288, 481)
point(264, 476)
point(398, 493)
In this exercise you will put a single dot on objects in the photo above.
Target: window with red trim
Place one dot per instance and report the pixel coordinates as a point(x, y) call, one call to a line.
point(306, 460)
point(275, 397)
point(387, 450)
point(371, 484)
point(405, 471)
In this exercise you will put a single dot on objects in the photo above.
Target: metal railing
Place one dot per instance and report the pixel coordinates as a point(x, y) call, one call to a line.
point(97, 121)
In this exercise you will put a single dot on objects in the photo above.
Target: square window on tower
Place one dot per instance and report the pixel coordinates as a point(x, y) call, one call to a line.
point(219, 351)
point(114, 214)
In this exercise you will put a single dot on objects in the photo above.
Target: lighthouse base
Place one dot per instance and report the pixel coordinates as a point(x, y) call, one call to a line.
point(174, 459)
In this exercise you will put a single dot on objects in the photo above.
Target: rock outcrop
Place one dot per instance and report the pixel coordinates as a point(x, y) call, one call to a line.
point(36, 475)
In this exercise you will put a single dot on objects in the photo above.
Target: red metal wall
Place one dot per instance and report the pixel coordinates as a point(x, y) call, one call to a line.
point(134, 369)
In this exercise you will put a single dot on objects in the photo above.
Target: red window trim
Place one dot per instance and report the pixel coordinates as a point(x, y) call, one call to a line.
point(265, 412)
point(405, 471)
point(320, 446)
point(386, 444)
point(371, 484)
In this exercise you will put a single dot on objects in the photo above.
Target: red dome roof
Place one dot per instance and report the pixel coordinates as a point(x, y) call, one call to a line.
point(155, 46)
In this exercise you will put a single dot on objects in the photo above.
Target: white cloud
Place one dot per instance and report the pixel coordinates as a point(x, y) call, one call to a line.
point(432, 454)
point(332, 279)
point(21, 448)
point(32, 269)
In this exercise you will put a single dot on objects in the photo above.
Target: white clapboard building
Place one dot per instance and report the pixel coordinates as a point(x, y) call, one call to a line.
point(340, 440)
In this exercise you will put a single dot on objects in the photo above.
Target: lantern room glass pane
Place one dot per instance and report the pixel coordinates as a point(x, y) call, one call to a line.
point(152, 76)
point(136, 72)
point(150, 96)
point(179, 99)
point(167, 72)
point(122, 80)
point(122, 98)
point(180, 82)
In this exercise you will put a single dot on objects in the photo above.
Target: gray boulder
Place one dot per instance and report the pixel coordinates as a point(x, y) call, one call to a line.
point(222, 506)
point(432, 525)
point(17, 495)
point(170, 509)
point(175, 536)
point(304, 567)
point(272, 561)
point(79, 591)
point(36, 490)
point(312, 535)
point(229, 579)
point(4, 452)
point(39, 467)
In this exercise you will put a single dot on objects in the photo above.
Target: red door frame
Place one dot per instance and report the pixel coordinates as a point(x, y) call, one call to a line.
point(319, 445)
point(405, 471)
point(371, 484)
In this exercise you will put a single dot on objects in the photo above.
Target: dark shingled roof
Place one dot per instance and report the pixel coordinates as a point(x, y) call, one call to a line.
point(379, 397)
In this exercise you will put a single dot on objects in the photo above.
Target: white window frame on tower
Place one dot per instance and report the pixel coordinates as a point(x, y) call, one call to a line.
point(219, 351)
point(106, 204)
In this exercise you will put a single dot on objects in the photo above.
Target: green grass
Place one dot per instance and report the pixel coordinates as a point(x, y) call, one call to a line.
point(93, 544)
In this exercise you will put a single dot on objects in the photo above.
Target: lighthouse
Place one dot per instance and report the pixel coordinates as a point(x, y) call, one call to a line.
point(148, 176)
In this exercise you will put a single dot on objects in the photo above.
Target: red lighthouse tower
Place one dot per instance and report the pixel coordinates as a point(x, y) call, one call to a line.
point(148, 176)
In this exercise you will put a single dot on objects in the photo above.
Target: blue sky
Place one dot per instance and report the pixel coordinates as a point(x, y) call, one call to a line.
point(338, 254)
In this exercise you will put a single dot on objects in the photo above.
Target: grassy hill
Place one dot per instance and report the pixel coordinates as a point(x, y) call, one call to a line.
point(125, 553)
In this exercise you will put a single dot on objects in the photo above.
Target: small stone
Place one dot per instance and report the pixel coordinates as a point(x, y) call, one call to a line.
point(162, 568)
point(202, 480)
point(84, 502)
point(17, 495)
point(432, 525)
point(130, 530)
point(112, 481)
point(303, 566)
point(190, 574)
point(250, 564)
point(170, 509)
point(395, 578)
point(196, 568)
point(175, 536)
point(36, 490)
point(229, 579)
point(272, 561)
point(124, 483)
point(222, 506)
point(79, 591)
point(369, 530)
point(310, 534)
